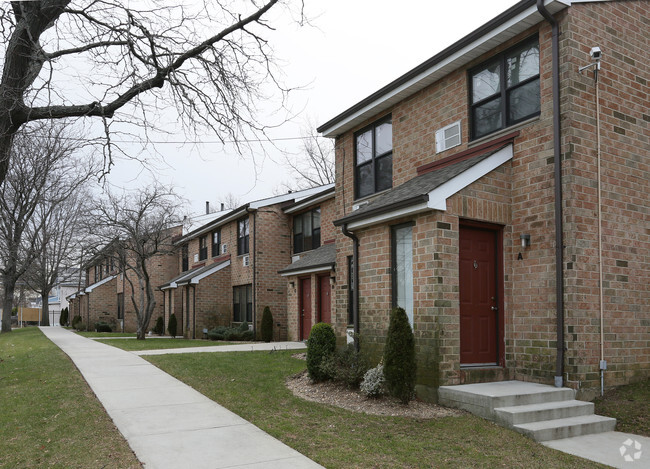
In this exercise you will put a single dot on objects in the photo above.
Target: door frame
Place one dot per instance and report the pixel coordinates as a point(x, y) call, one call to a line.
point(319, 279)
point(301, 300)
point(500, 288)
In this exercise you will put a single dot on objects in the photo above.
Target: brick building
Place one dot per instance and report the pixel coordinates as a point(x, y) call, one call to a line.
point(228, 268)
point(502, 200)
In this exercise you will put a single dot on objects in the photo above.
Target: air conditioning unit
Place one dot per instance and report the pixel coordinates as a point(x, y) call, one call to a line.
point(224, 248)
point(359, 205)
point(246, 261)
point(448, 137)
point(196, 258)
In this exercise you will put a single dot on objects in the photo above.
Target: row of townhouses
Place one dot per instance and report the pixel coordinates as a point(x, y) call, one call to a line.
point(498, 192)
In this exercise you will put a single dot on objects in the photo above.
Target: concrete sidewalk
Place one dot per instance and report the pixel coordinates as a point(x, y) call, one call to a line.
point(250, 347)
point(167, 423)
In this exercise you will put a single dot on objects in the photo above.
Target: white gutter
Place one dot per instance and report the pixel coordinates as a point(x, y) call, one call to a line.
point(198, 278)
point(307, 271)
point(97, 284)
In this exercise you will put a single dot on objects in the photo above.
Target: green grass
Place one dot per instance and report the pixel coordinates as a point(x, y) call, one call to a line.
point(251, 384)
point(158, 343)
point(629, 406)
point(106, 334)
point(49, 417)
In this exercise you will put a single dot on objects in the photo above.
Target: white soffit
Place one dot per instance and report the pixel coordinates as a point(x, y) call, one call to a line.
point(209, 272)
point(101, 282)
point(487, 42)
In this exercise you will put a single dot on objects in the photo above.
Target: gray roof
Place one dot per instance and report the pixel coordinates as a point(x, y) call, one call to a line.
point(188, 275)
point(324, 256)
point(413, 191)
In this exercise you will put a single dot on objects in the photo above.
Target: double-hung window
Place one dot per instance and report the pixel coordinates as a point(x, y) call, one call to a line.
point(505, 89)
point(216, 241)
point(203, 248)
point(243, 233)
point(374, 158)
point(402, 268)
point(306, 231)
point(242, 303)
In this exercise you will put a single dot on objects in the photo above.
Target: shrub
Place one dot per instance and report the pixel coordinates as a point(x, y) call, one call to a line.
point(243, 327)
point(399, 357)
point(103, 327)
point(374, 381)
point(321, 344)
point(172, 325)
point(267, 325)
point(345, 366)
point(63, 319)
point(75, 322)
point(230, 333)
point(159, 328)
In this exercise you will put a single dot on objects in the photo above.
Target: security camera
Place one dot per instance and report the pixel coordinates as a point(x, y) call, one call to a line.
point(596, 53)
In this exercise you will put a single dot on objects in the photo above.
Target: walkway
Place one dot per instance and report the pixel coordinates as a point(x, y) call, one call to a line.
point(167, 423)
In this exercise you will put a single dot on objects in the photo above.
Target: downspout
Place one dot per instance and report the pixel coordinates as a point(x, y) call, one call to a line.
point(255, 273)
point(355, 292)
point(557, 179)
point(193, 311)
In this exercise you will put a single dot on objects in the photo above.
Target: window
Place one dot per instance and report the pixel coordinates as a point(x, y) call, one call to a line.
point(306, 231)
point(185, 257)
point(402, 255)
point(216, 241)
point(203, 248)
point(242, 297)
point(505, 90)
point(350, 290)
point(374, 159)
point(120, 306)
point(242, 236)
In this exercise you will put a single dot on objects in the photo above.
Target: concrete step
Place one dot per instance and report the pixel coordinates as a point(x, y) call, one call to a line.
point(515, 415)
point(566, 427)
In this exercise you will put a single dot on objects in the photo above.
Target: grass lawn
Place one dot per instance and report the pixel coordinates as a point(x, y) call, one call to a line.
point(49, 417)
point(251, 384)
point(629, 406)
point(92, 334)
point(154, 343)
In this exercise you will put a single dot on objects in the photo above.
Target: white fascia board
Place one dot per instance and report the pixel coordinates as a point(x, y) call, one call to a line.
point(500, 34)
point(169, 287)
point(71, 297)
point(208, 272)
point(101, 282)
point(298, 195)
point(317, 200)
point(438, 197)
point(313, 270)
point(388, 216)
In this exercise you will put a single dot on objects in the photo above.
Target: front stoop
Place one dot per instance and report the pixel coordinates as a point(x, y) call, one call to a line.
point(539, 411)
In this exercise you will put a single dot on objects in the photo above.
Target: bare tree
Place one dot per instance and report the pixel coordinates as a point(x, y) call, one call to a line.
point(314, 165)
point(139, 227)
point(41, 165)
point(230, 201)
point(101, 59)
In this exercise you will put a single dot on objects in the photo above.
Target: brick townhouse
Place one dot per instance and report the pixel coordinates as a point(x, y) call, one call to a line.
point(108, 291)
point(311, 274)
point(500, 196)
point(228, 268)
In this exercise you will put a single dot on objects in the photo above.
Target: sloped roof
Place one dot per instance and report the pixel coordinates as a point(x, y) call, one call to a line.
point(322, 257)
point(196, 274)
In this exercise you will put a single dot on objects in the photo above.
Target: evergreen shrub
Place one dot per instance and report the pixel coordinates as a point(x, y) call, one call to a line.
point(399, 357)
point(267, 325)
point(63, 319)
point(373, 381)
point(320, 345)
point(172, 325)
point(346, 366)
point(102, 326)
point(76, 321)
point(159, 328)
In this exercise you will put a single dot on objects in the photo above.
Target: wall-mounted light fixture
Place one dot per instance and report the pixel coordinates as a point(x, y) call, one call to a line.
point(292, 284)
point(525, 240)
point(332, 280)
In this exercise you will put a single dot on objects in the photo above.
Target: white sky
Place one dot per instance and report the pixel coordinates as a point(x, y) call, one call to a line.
point(353, 48)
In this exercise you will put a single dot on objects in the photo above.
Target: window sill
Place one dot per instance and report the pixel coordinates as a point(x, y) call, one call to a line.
point(501, 132)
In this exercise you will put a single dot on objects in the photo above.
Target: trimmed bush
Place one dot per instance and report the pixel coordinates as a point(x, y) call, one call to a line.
point(320, 345)
point(63, 319)
point(172, 325)
point(75, 322)
point(103, 327)
point(267, 325)
point(159, 328)
point(346, 366)
point(373, 381)
point(399, 357)
point(230, 333)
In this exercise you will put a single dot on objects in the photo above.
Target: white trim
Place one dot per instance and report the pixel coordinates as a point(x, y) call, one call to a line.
point(441, 139)
point(198, 278)
point(90, 288)
point(438, 197)
point(309, 203)
point(307, 271)
point(489, 41)
point(298, 195)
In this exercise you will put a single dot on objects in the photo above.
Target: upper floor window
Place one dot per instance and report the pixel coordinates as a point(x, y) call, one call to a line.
point(505, 90)
point(216, 241)
point(185, 257)
point(306, 231)
point(242, 236)
point(203, 248)
point(374, 158)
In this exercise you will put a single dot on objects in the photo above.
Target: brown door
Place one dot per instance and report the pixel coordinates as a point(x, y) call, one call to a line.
point(305, 308)
point(325, 299)
point(478, 297)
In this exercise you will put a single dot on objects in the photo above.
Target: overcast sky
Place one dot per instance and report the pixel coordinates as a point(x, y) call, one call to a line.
point(353, 48)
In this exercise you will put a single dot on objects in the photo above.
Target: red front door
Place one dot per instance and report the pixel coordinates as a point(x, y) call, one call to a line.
point(325, 299)
point(478, 296)
point(305, 307)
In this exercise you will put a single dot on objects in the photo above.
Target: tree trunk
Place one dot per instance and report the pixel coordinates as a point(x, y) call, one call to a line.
point(7, 304)
point(45, 310)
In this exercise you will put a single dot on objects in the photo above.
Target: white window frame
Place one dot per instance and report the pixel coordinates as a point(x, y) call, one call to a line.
point(441, 140)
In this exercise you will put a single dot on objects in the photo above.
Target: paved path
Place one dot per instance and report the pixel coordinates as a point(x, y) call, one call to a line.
point(167, 423)
point(251, 347)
